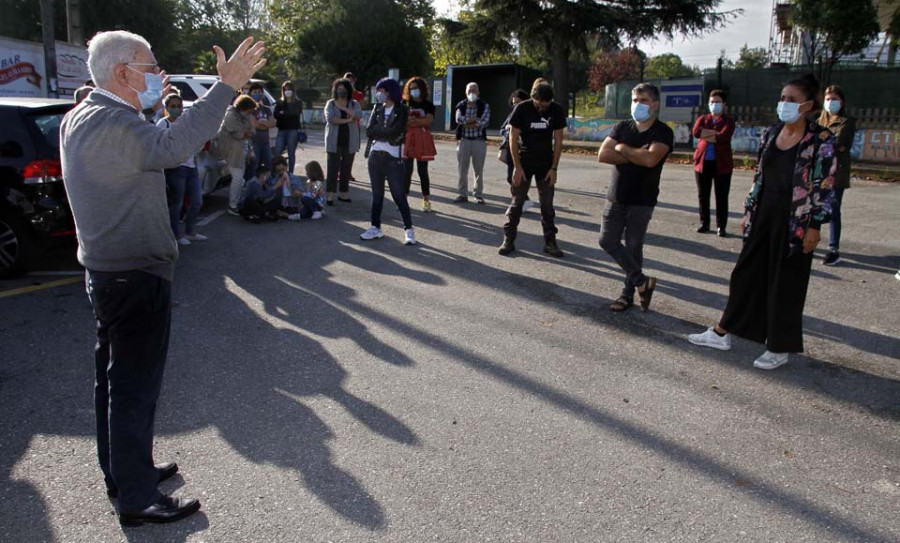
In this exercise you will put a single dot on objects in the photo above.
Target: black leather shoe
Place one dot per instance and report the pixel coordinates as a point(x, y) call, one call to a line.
point(167, 509)
point(165, 471)
point(507, 247)
point(721, 233)
point(552, 249)
point(703, 228)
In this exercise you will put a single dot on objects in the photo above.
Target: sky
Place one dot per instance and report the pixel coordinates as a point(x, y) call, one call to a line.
point(751, 28)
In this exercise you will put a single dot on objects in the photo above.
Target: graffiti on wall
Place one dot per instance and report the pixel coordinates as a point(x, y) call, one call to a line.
point(599, 129)
point(880, 146)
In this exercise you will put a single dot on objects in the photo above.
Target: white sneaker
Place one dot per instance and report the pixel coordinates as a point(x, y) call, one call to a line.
point(294, 217)
point(528, 205)
point(184, 242)
point(410, 238)
point(372, 233)
point(710, 338)
point(316, 215)
point(769, 360)
point(196, 237)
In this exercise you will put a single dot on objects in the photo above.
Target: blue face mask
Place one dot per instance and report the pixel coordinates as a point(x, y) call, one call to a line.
point(415, 93)
point(154, 92)
point(833, 106)
point(257, 96)
point(716, 108)
point(380, 97)
point(640, 112)
point(788, 112)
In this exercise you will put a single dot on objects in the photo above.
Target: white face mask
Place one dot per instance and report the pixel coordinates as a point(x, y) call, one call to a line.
point(833, 106)
point(788, 112)
point(288, 94)
point(716, 108)
point(472, 97)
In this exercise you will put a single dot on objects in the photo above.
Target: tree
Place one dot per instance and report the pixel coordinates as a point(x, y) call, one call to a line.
point(560, 27)
point(469, 40)
point(665, 66)
point(614, 66)
point(365, 36)
point(834, 28)
point(752, 58)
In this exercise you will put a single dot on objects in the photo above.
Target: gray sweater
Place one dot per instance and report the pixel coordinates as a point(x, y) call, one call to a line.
point(113, 162)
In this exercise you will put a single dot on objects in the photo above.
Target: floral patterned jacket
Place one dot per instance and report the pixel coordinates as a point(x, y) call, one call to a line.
point(814, 171)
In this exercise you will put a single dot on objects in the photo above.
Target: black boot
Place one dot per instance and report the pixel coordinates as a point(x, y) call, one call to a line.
point(552, 249)
point(507, 247)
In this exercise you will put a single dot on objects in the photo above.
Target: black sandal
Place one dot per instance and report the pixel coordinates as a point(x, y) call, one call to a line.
point(647, 293)
point(621, 304)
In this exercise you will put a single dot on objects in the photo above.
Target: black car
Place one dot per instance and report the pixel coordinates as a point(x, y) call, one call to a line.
point(34, 210)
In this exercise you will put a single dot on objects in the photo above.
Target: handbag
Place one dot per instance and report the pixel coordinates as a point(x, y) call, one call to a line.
point(503, 155)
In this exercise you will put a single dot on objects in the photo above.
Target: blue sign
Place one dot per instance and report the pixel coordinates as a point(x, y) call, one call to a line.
point(682, 100)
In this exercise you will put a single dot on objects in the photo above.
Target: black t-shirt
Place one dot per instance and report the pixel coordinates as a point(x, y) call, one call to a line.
point(635, 185)
point(778, 169)
point(536, 140)
point(419, 110)
point(343, 132)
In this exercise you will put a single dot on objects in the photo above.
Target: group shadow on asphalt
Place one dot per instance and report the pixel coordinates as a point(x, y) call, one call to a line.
point(257, 404)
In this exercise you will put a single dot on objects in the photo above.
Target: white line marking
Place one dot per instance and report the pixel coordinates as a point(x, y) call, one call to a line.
point(206, 220)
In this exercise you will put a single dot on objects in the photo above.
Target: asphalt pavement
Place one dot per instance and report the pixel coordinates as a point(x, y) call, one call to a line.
point(320, 388)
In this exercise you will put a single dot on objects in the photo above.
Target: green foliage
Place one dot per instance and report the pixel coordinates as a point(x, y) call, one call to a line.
point(365, 36)
point(752, 58)
point(667, 65)
point(469, 40)
point(561, 27)
point(836, 28)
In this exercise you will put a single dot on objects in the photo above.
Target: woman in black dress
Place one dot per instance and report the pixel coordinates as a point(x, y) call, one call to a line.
point(790, 199)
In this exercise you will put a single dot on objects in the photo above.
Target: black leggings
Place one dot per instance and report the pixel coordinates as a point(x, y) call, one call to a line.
point(422, 168)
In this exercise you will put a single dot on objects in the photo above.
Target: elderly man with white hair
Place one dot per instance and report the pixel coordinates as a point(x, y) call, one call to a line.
point(472, 118)
point(113, 164)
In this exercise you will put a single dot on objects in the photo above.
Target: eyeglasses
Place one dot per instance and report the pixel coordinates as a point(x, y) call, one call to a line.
point(155, 67)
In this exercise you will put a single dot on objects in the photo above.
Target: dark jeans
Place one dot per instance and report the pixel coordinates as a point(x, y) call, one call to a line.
point(520, 194)
point(339, 165)
point(263, 157)
point(705, 180)
point(255, 208)
point(510, 169)
point(834, 241)
point(133, 313)
point(383, 166)
point(424, 180)
point(632, 221)
point(287, 139)
point(184, 180)
point(308, 206)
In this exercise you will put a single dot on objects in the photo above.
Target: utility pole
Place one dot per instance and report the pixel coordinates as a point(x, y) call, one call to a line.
point(49, 48)
point(73, 22)
point(719, 73)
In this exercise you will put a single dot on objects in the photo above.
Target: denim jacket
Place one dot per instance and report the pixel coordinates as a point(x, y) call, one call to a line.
point(813, 181)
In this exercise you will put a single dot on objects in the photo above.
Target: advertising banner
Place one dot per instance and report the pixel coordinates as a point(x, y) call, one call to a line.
point(22, 70)
point(71, 68)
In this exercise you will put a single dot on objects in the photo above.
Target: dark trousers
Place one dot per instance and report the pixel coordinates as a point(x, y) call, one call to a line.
point(632, 221)
point(422, 168)
point(510, 169)
point(383, 166)
point(287, 140)
point(768, 288)
point(184, 180)
point(520, 194)
point(339, 165)
point(705, 181)
point(262, 157)
point(255, 209)
point(133, 313)
point(308, 206)
point(834, 241)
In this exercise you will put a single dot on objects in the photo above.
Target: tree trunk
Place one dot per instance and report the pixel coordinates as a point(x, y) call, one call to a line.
point(560, 51)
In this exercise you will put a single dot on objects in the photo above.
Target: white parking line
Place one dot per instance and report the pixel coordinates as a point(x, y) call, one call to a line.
point(206, 220)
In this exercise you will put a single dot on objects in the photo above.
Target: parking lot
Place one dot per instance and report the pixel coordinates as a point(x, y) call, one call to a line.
point(322, 388)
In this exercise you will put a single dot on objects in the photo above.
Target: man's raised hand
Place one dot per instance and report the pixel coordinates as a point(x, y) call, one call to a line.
point(246, 61)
